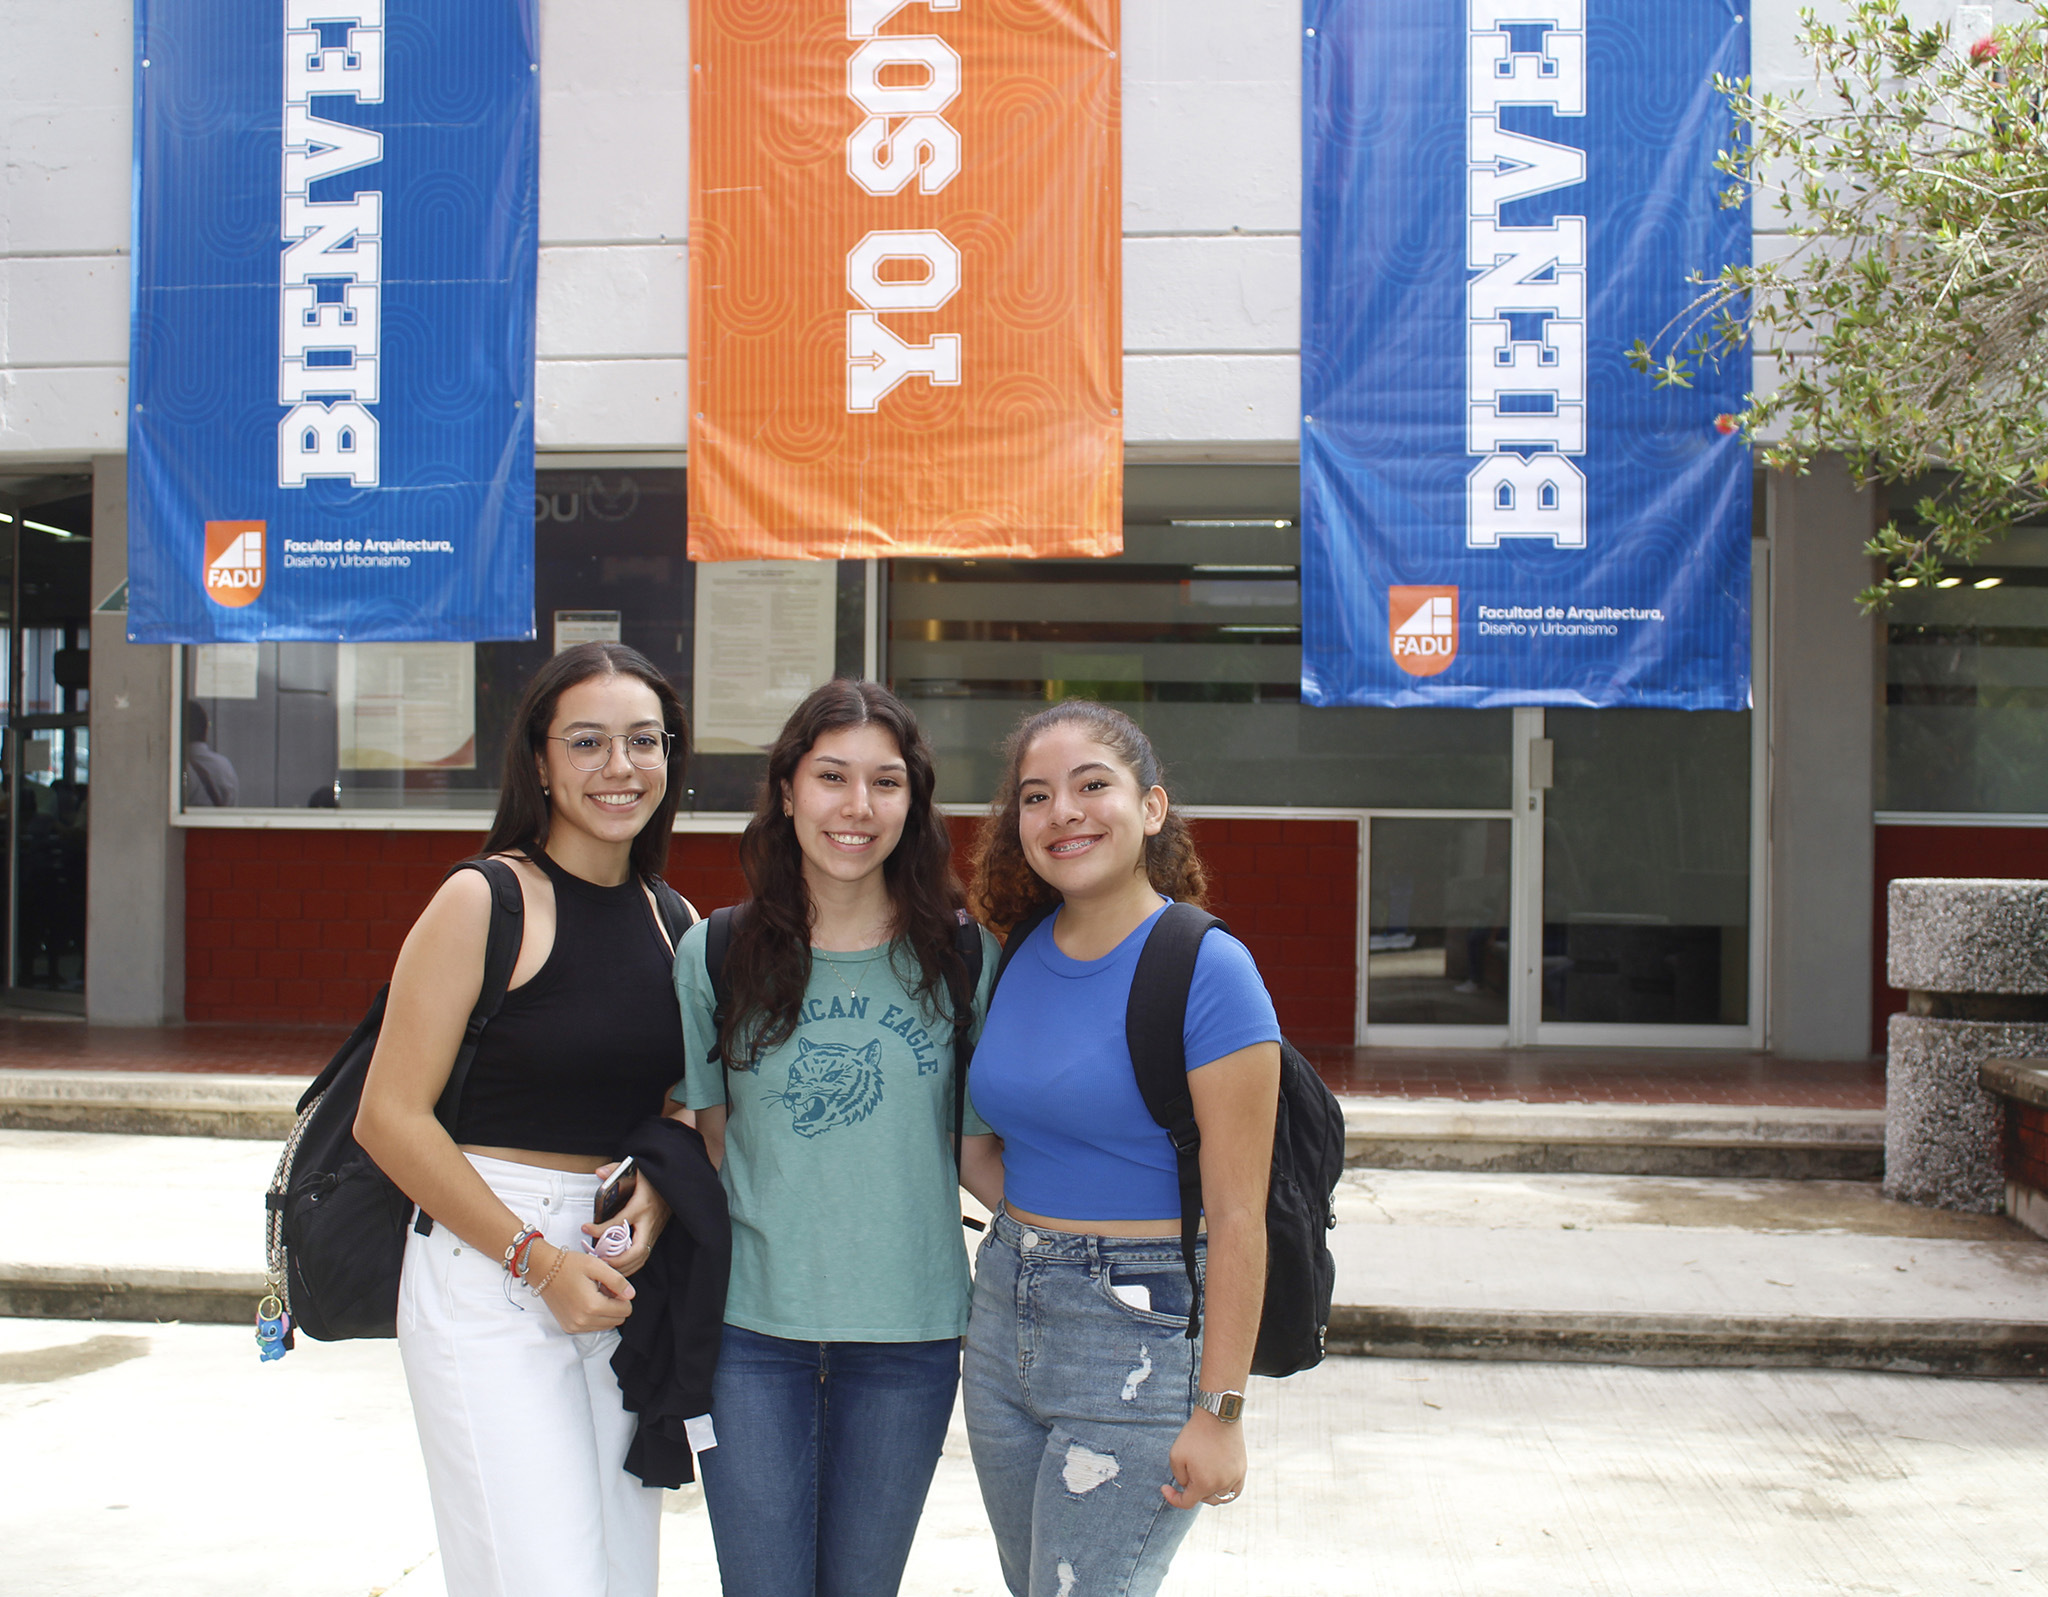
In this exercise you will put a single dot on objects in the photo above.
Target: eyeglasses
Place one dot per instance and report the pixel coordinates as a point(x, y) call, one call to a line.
point(592, 751)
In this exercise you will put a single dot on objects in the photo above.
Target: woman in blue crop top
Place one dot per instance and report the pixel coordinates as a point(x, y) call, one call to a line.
point(824, 1084)
point(1097, 1426)
point(506, 1325)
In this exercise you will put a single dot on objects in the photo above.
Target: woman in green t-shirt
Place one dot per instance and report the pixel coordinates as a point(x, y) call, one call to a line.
point(826, 1097)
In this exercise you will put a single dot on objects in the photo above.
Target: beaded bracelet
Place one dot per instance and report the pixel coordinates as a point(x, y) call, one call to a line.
point(517, 1253)
point(554, 1270)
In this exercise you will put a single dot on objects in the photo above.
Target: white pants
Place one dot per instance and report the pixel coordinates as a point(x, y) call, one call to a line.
point(522, 1426)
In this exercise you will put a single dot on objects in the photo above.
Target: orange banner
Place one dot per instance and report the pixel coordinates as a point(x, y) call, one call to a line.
point(905, 279)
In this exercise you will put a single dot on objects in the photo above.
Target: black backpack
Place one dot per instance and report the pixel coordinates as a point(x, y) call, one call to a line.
point(966, 939)
point(334, 1224)
point(1308, 1143)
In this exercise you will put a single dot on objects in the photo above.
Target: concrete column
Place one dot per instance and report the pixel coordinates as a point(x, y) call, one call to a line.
point(1824, 683)
point(135, 860)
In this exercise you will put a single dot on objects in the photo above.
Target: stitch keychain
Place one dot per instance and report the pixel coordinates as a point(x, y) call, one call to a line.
point(273, 1328)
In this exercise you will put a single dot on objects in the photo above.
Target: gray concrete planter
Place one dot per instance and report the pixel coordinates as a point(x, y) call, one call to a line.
point(1973, 958)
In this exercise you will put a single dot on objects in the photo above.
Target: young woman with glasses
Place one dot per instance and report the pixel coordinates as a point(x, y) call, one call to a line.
point(1097, 1427)
point(506, 1325)
point(826, 1088)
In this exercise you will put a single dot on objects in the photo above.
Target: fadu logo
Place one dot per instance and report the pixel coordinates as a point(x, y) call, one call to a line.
point(1422, 629)
point(234, 562)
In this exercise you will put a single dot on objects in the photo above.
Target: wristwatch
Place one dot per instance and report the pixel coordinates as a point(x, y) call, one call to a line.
point(1226, 1406)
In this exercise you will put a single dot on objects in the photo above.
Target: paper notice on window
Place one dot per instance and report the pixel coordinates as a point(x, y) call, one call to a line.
point(224, 670)
point(406, 706)
point(765, 633)
point(585, 626)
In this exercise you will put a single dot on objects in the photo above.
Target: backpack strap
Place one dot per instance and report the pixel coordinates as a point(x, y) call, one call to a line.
point(1018, 933)
point(501, 953)
point(676, 915)
point(1155, 1020)
point(717, 944)
point(967, 942)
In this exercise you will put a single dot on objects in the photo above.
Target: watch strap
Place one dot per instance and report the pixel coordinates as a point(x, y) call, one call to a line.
point(1226, 1406)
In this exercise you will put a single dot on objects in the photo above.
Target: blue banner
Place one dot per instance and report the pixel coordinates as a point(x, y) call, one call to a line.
point(1500, 197)
point(331, 426)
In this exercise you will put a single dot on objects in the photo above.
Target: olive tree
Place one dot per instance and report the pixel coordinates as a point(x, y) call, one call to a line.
point(1908, 317)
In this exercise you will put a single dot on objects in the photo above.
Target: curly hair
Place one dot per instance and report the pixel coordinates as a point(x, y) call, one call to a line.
point(524, 813)
point(769, 962)
point(1007, 889)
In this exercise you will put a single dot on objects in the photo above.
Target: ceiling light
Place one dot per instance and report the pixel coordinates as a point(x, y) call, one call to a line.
point(1987, 582)
point(1949, 582)
point(1909, 582)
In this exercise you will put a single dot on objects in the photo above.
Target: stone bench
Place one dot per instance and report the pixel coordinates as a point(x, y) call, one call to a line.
point(2022, 1084)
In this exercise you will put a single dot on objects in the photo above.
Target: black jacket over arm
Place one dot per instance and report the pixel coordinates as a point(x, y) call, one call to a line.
point(668, 1346)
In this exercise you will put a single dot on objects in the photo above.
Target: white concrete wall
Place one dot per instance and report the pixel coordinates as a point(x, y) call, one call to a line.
point(1212, 202)
point(1212, 197)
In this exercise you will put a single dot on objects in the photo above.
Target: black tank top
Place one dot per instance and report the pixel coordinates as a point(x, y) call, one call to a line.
point(585, 1050)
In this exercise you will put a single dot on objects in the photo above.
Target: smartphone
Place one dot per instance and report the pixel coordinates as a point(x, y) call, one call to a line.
point(616, 1189)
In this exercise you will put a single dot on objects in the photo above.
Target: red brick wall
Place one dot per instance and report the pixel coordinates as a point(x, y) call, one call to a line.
point(294, 926)
point(304, 926)
point(2026, 1145)
point(1289, 890)
point(1950, 851)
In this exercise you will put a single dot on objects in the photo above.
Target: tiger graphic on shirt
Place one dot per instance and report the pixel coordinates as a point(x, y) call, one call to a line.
point(831, 1085)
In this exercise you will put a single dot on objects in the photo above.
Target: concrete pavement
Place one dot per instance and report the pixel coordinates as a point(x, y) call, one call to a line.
point(1656, 1269)
point(165, 1460)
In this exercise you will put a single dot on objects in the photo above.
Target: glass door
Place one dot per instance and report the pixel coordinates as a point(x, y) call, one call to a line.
point(46, 754)
point(1438, 890)
point(1646, 880)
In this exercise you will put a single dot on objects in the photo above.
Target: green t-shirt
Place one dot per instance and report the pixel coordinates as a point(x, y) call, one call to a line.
point(839, 1155)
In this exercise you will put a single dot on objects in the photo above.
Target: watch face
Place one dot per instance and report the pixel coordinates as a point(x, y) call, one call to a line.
point(1226, 1406)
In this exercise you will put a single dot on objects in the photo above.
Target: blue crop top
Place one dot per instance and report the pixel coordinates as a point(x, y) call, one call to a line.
point(1052, 1073)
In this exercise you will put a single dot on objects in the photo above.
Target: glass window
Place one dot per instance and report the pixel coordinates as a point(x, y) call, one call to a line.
point(1437, 933)
point(1646, 867)
point(1195, 631)
point(423, 726)
point(1966, 687)
point(45, 742)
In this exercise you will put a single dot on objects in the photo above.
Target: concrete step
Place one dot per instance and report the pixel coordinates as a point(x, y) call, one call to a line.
point(1381, 1133)
point(1652, 1270)
point(1751, 1141)
point(155, 1103)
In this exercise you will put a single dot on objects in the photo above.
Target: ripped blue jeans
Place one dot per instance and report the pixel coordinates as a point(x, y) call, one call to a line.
point(1078, 1379)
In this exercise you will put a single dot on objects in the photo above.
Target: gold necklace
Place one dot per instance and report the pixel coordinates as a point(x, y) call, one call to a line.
point(853, 988)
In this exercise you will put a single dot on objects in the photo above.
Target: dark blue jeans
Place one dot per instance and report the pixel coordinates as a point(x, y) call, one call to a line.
point(825, 1452)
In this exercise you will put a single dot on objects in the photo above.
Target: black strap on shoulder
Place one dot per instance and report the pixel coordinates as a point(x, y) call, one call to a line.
point(676, 915)
point(501, 954)
point(1018, 933)
point(967, 941)
point(717, 944)
point(1154, 1025)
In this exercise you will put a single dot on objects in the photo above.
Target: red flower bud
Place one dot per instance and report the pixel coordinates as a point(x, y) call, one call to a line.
point(1985, 49)
point(1724, 423)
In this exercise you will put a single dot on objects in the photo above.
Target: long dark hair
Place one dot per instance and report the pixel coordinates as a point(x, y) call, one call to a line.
point(523, 811)
point(1007, 889)
point(769, 962)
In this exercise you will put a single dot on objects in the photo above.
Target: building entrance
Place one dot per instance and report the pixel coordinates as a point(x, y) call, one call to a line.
point(45, 746)
point(1610, 903)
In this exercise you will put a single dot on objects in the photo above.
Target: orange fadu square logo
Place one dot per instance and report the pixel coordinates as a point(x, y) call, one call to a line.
point(234, 565)
point(1422, 628)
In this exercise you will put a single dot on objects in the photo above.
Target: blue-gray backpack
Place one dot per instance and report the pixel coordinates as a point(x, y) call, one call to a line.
point(1308, 1143)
